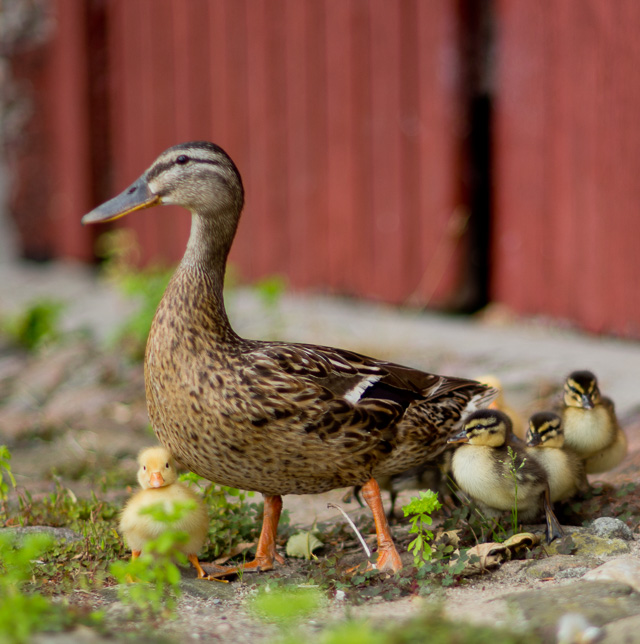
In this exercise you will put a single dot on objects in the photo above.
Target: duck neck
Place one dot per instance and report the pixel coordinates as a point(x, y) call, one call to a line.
point(203, 267)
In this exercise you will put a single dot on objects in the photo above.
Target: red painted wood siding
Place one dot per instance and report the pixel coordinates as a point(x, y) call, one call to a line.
point(343, 117)
point(566, 216)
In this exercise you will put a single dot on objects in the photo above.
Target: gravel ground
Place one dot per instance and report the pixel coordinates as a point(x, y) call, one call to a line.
point(530, 358)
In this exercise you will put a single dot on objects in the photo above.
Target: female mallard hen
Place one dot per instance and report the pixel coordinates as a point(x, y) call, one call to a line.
point(268, 416)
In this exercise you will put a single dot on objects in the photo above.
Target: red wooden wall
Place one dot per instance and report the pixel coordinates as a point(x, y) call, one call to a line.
point(349, 122)
point(343, 117)
point(566, 216)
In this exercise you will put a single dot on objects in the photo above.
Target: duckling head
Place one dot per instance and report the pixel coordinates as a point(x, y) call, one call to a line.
point(581, 390)
point(199, 176)
point(157, 468)
point(488, 427)
point(545, 430)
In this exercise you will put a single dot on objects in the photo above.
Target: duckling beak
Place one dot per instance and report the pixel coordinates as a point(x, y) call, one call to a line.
point(587, 403)
point(156, 480)
point(136, 197)
point(460, 437)
point(533, 440)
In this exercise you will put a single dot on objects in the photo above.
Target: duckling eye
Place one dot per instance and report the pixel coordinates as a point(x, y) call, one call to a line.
point(182, 159)
point(167, 465)
point(144, 467)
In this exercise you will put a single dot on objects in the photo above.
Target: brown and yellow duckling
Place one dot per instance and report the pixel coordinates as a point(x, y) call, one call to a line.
point(158, 479)
point(591, 427)
point(273, 417)
point(565, 471)
point(483, 469)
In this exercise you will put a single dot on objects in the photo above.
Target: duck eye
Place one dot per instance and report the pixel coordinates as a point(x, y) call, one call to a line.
point(167, 465)
point(182, 159)
point(144, 467)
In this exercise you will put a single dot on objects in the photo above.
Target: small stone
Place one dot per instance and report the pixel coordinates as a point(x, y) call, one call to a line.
point(610, 528)
point(625, 570)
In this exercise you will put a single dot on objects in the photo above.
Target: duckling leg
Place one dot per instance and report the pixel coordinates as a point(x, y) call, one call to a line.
point(388, 557)
point(554, 529)
point(266, 550)
point(201, 573)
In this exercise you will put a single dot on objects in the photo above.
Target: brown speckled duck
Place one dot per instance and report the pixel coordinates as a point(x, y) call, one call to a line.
point(269, 416)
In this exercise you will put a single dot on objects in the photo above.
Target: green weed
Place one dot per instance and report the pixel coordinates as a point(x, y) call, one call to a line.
point(21, 613)
point(5, 475)
point(38, 324)
point(419, 510)
point(512, 472)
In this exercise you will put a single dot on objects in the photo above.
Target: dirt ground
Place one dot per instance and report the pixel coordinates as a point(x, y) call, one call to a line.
point(76, 410)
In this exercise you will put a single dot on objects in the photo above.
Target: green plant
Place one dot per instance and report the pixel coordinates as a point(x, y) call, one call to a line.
point(513, 467)
point(233, 519)
point(155, 570)
point(421, 508)
point(285, 605)
point(23, 614)
point(36, 325)
point(5, 471)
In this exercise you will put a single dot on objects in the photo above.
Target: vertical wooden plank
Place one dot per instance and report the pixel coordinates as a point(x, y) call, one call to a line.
point(386, 185)
point(230, 96)
point(440, 130)
point(301, 91)
point(71, 185)
point(520, 199)
point(342, 251)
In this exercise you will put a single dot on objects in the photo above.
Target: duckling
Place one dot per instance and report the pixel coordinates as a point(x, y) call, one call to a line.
point(565, 471)
point(482, 467)
point(591, 427)
point(158, 479)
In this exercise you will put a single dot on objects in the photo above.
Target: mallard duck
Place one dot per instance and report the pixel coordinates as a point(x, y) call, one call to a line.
point(483, 468)
point(272, 417)
point(591, 427)
point(158, 479)
point(565, 470)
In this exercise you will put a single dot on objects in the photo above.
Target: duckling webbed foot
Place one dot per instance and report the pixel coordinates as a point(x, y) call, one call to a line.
point(388, 557)
point(554, 529)
point(266, 551)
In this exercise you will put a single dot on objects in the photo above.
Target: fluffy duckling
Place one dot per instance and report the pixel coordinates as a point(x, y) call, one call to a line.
point(482, 467)
point(565, 471)
point(158, 479)
point(591, 428)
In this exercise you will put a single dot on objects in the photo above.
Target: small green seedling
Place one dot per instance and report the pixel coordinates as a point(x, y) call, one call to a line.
point(513, 468)
point(421, 508)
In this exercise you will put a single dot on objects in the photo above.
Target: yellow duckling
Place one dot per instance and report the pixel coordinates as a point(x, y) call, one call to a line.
point(483, 468)
point(517, 423)
point(591, 428)
point(158, 479)
point(565, 471)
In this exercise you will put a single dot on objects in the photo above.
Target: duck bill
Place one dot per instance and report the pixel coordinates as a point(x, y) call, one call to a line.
point(460, 437)
point(156, 480)
point(136, 197)
point(533, 440)
point(587, 403)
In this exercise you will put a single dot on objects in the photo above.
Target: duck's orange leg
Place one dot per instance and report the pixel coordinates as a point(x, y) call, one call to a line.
point(388, 557)
point(266, 550)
